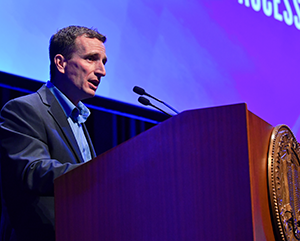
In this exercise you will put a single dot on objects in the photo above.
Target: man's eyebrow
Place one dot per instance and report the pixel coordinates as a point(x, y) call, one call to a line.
point(96, 55)
point(92, 54)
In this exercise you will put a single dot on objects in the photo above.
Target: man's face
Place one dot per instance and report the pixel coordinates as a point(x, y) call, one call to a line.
point(85, 69)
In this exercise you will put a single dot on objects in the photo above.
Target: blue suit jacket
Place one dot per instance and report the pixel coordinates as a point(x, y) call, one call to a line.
point(37, 145)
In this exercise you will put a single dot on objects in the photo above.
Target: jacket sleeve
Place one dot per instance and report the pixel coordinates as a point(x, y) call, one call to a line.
point(26, 144)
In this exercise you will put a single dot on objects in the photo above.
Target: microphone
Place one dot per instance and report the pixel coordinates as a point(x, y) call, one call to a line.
point(141, 91)
point(145, 101)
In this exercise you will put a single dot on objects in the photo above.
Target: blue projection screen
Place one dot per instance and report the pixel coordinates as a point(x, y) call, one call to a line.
point(192, 54)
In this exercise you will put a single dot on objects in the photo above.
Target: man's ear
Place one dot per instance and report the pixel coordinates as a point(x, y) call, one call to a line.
point(60, 63)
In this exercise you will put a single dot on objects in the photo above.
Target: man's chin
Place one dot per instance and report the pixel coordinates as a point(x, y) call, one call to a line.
point(89, 94)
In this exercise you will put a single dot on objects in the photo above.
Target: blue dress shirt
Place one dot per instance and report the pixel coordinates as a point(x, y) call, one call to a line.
point(76, 116)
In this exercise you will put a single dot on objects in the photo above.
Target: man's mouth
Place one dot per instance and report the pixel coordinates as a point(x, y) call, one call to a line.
point(94, 83)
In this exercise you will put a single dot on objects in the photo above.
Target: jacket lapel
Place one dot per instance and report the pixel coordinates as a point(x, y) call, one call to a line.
point(57, 113)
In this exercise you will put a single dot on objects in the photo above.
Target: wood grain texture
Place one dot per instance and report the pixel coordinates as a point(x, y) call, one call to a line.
point(187, 178)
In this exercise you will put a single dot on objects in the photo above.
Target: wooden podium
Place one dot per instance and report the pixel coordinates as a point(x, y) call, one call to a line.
point(200, 175)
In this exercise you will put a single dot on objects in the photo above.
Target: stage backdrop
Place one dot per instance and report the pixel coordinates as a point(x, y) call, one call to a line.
point(190, 53)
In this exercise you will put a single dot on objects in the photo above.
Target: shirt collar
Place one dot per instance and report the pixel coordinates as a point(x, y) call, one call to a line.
point(78, 113)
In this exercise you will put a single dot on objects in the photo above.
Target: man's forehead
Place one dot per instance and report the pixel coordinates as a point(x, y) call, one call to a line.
point(84, 43)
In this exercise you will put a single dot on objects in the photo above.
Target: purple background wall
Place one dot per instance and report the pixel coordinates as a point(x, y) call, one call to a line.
point(190, 53)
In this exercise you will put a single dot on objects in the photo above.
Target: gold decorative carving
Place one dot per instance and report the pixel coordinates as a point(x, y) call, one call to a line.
point(284, 183)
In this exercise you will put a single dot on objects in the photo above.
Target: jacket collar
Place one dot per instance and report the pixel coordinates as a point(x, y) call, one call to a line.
point(57, 113)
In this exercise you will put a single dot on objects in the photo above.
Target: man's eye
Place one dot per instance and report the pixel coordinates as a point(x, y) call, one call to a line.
point(90, 58)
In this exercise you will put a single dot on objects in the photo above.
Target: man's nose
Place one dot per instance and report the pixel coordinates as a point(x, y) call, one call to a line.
point(100, 70)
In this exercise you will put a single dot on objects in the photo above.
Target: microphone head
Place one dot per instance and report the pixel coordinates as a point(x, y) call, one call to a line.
point(139, 90)
point(144, 100)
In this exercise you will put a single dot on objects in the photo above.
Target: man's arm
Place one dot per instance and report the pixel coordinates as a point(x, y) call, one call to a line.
point(32, 145)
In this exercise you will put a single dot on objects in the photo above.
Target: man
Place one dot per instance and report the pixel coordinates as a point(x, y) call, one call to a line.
point(43, 134)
